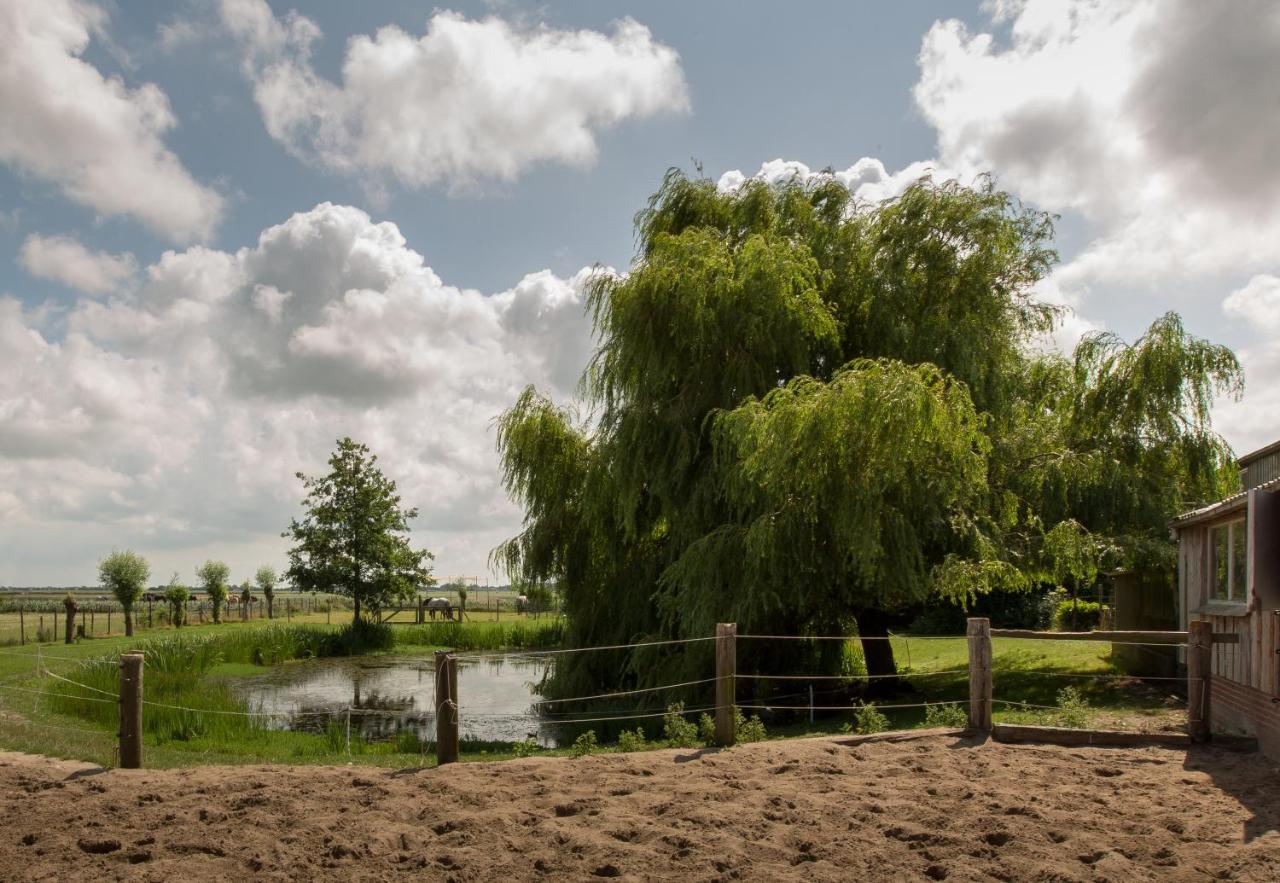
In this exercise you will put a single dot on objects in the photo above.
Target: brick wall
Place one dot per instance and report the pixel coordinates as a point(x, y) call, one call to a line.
point(1240, 709)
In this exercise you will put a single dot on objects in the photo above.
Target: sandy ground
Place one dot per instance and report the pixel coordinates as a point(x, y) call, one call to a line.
point(926, 807)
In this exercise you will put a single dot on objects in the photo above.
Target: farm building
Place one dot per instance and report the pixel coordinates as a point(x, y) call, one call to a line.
point(1229, 575)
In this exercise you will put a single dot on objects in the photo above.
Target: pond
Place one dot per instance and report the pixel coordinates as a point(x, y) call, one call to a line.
point(387, 694)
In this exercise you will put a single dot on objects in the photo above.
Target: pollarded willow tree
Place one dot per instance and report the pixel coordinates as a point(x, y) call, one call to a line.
point(810, 413)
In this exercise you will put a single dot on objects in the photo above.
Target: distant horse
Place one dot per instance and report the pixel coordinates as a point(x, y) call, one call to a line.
point(522, 603)
point(441, 606)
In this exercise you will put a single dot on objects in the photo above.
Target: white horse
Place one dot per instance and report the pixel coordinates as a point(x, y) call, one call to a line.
point(441, 606)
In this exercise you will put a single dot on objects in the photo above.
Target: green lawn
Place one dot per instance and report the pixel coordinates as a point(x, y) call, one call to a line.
point(1025, 670)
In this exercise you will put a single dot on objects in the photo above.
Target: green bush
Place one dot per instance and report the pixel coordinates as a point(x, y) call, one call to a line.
point(526, 747)
point(868, 719)
point(1031, 609)
point(707, 729)
point(1077, 615)
point(631, 740)
point(749, 729)
point(1073, 708)
point(584, 744)
point(945, 716)
point(678, 732)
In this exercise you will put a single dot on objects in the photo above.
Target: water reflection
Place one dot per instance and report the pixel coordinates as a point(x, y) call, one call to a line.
point(387, 695)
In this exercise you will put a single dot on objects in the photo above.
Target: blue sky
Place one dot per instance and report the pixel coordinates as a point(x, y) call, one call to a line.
point(231, 232)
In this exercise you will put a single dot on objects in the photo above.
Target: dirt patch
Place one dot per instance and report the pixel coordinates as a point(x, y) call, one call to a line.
point(925, 808)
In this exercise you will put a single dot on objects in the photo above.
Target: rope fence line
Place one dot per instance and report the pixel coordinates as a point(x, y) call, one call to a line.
point(78, 684)
point(863, 677)
point(623, 692)
point(561, 652)
point(854, 707)
point(59, 695)
point(1101, 676)
point(847, 637)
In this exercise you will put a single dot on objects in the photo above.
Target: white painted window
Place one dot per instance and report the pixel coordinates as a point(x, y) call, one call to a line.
point(1229, 546)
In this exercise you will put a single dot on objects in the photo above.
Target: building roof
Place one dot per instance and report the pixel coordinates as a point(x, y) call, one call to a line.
point(1248, 458)
point(1222, 507)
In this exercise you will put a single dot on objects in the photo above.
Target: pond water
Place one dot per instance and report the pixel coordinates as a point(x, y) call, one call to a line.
point(390, 693)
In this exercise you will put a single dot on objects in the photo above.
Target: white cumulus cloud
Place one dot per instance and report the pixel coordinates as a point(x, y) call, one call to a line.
point(1257, 303)
point(66, 260)
point(98, 140)
point(172, 415)
point(465, 100)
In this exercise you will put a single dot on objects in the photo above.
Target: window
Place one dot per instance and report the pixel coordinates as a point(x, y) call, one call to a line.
point(1229, 543)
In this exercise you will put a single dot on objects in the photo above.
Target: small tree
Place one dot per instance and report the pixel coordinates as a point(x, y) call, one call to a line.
point(213, 580)
point(266, 579)
point(246, 598)
point(125, 574)
point(353, 539)
point(176, 595)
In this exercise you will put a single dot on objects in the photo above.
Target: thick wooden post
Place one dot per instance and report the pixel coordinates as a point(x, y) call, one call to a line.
point(446, 707)
point(726, 671)
point(131, 711)
point(1199, 679)
point(72, 607)
point(979, 634)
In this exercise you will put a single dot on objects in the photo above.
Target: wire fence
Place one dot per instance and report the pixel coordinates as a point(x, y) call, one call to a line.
point(551, 711)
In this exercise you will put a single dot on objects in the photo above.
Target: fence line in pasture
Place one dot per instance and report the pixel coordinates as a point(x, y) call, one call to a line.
point(854, 677)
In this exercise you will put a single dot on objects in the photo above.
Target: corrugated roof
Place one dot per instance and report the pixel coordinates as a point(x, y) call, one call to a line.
point(1260, 453)
point(1222, 507)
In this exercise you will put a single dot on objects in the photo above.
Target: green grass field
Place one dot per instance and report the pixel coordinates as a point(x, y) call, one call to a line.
point(1026, 671)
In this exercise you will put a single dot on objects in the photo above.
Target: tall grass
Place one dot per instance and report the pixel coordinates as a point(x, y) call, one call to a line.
point(534, 634)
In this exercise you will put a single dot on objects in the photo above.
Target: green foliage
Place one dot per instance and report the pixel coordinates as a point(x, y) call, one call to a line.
point(585, 744)
point(1073, 708)
point(678, 731)
point(748, 729)
point(353, 539)
point(869, 719)
point(526, 747)
point(706, 729)
point(631, 740)
point(1077, 615)
point(125, 574)
point(176, 596)
point(805, 410)
point(948, 715)
point(213, 577)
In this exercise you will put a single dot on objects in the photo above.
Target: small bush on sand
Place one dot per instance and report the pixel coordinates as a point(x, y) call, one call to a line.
point(945, 716)
point(749, 729)
point(678, 732)
point(584, 744)
point(868, 719)
point(631, 740)
point(526, 747)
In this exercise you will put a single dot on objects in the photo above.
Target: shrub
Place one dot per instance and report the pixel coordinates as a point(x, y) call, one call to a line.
point(945, 716)
point(678, 732)
point(408, 741)
point(868, 719)
point(584, 744)
point(1077, 615)
point(631, 741)
point(526, 747)
point(707, 729)
point(1073, 708)
point(749, 729)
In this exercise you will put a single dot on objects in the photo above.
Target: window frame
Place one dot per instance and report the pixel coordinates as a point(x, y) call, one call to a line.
point(1237, 533)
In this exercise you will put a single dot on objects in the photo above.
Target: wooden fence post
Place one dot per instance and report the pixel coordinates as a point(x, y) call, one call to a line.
point(1199, 679)
point(446, 707)
point(72, 606)
point(726, 670)
point(131, 711)
point(978, 633)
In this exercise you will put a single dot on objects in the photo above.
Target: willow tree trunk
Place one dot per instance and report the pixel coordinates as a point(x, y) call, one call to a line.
point(877, 651)
point(71, 621)
point(128, 620)
point(271, 607)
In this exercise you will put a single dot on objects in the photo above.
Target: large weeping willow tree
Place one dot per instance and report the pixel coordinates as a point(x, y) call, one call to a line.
point(808, 413)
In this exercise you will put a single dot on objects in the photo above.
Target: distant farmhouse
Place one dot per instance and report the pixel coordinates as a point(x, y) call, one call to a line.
point(1229, 575)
